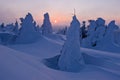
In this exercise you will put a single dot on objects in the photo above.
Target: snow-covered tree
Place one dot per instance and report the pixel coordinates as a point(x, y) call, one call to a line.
point(96, 33)
point(111, 28)
point(9, 27)
point(62, 31)
point(100, 30)
point(71, 58)
point(16, 28)
point(2, 26)
point(37, 28)
point(116, 37)
point(46, 26)
point(83, 30)
point(27, 33)
point(109, 36)
point(90, 40)
point(6, 34)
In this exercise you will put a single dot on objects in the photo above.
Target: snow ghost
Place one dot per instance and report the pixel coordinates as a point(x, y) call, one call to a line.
point(62, 31)
point(71, 58)
point(7, 34)
point(111, 28)
point(83, 30)
point(100, 31)
point(28, 33)
point(112, 33)
point(116, 37)
point(46, 26)
point(90, 40)
point(16, 28)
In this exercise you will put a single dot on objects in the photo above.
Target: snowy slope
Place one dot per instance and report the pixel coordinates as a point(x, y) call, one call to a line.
point(24, 62)
point(105, 60)
point(43, 48)
point(15, 65)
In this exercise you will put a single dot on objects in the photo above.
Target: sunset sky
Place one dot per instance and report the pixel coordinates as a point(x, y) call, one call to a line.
point(60, 11)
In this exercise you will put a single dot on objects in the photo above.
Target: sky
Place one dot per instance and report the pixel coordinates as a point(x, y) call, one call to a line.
point(60, 11)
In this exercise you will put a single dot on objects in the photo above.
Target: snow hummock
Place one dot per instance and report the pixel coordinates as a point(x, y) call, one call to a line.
point(15, 65)
point(23, 62)
point(71, 58)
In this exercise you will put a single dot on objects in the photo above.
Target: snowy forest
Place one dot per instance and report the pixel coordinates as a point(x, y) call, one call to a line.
point(80, 51)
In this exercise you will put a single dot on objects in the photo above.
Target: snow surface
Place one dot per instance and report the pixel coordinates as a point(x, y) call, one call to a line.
point(24, 62)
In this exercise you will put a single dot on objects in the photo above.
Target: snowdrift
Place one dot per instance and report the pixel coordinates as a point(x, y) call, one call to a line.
point(25, 62)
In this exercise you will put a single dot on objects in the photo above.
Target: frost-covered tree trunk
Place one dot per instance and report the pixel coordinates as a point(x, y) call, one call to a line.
point(71, 58)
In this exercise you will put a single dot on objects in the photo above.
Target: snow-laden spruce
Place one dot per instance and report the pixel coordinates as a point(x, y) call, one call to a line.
point(1, 27)
point(95, 34)
point(62, 31)
point(100, 31)
point(46, 26)
point(8, 34)
point(90, 40)
point(83, 30)
point(110, 31)
point(71, 58)
point(116, 37)
point(28, 33)
point(16, 28)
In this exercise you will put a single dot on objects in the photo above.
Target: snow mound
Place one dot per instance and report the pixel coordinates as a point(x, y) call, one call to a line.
point(100, 62)
point(52, 62)
point(18, 65)
point(15, 65)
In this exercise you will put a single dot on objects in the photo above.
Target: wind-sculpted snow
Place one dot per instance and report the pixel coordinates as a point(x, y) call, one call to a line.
point(16, 65)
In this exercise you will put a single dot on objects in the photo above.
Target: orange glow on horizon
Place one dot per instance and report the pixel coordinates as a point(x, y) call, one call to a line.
point(64, 20)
